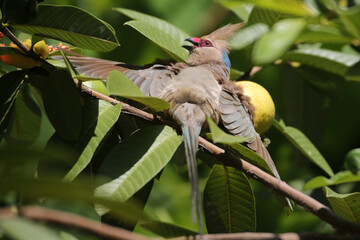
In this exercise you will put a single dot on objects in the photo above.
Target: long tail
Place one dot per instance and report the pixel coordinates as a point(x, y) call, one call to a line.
point(191, 138)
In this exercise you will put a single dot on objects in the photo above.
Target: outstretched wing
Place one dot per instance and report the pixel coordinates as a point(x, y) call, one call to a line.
point(150, 80)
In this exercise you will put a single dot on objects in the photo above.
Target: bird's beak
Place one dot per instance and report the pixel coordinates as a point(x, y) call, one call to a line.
point(194, 41)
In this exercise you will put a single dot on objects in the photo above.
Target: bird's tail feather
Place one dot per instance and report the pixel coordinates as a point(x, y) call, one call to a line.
point(191, 138)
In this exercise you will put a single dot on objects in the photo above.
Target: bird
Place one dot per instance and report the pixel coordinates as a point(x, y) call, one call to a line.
point(197, 89)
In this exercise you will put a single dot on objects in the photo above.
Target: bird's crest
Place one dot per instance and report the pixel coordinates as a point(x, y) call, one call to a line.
point(221, 35)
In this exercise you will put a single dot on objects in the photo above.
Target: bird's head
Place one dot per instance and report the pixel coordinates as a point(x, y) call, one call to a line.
point(213, 47)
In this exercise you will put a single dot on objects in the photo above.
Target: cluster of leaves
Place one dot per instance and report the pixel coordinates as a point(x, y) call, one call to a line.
point(58, 144)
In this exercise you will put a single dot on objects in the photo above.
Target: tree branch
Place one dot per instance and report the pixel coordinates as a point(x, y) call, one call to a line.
point(72, 220)
point(108, 232)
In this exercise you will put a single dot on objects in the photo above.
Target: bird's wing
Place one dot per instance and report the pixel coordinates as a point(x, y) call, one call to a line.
point(235, 116)
point(150, 80)
point(237, 119)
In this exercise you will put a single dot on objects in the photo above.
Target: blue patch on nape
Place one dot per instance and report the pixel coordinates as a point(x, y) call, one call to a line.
point(226, 59)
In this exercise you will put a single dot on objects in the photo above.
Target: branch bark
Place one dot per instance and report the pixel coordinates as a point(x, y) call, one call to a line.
point(108, 232)
point(72, 220)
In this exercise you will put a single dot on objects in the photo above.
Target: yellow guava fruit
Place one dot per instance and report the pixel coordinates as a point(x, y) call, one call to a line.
point(262, 102)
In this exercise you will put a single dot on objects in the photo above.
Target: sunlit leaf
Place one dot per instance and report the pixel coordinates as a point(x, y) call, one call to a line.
point(248, 35)
point(162, 33)
point(229, 201)
point(345, 205)
point(325, 35)
point(262, 15)
point(73, 25)
point(98, 86)
point(167, 230)
point(98, 128)
point(275, 43)
point(351, 19)
point(135, 161)
point(241, 10)
point(250, 156)
point(161, 38)
point(328, 60)
point(352, 160)
point(176, 34)
point(219, 136)
point(285, 6)
point(304, 145)
point(29, 230)
point(119, 85)
point(338, 178)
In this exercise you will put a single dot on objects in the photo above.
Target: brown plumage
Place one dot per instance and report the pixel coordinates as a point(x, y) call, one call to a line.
point(196, 89)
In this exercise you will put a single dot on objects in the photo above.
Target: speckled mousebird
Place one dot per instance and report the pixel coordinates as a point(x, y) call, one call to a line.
point(197, 89)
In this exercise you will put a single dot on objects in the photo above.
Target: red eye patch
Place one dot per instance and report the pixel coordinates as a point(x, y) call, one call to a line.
point(205, 43)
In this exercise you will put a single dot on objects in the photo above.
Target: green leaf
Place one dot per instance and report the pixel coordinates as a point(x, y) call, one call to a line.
point(119, 85)
point(250, 156)
point(176, 34)
point(167, 230)
point(351, 19)
point(304, 145)
point(229, 201)
point(324, 34)
point(345, 205)
point(9, 87)
point(338, 178)
point(219, 136)
point(248, 35)
point(97, 129)
point(275, 43)
point(294, 7)
point(135, 161)
point(23, 229)
point(98, 86)
point(265, 16)
point(25, 124)
point(328, 60)
point(352, 160)
point(241, 10)
point(61, 102)
point(72, 25)
point(160, 37)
